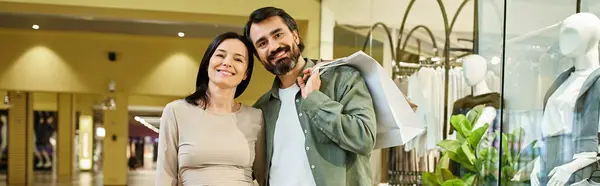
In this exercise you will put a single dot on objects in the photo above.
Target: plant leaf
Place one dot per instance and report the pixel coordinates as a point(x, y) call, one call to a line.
point(450, 145)
point(456, 122)
point(528, 149)
point(475, 113)
point(444, 161)
point(494, 155)
point(466, 126)
point(466, 149)
point(506, 150)
point(439, 175)
point(454, 182)
point(469, 179)
point(447, 174)
point(429, 179)
point(477, 135)
point(508, 171)
point(461, 159)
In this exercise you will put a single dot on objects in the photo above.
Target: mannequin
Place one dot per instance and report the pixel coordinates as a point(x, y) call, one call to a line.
point(475, 71)
point(570, 124)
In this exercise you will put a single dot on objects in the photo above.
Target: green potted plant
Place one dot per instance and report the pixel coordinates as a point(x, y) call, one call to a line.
point(473, 149)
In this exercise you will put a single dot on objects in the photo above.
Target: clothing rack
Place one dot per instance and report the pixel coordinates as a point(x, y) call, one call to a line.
point(406, 169)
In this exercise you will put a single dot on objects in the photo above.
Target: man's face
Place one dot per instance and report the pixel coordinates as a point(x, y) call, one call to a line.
point(276, 45)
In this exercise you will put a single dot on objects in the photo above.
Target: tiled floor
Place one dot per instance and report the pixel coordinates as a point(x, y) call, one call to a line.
point(136, 178)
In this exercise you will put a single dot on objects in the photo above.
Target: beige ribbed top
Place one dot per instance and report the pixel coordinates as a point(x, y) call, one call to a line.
point(199, 147)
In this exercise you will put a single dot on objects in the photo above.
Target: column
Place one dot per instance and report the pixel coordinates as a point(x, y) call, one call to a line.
point(115, 142)
point(65, 159)
point(327, 29)
point(20, 138)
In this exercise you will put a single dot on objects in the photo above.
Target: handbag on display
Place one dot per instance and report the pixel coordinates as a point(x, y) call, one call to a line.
point(396, 120)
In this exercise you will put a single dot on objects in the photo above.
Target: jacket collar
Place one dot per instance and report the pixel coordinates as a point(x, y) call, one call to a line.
point(589, 82)
point(274, 92)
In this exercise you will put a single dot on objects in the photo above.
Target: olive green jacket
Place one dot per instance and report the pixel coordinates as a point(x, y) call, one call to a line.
point(338, 122)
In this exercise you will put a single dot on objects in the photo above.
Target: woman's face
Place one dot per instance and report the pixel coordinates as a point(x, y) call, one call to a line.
point(228, 64)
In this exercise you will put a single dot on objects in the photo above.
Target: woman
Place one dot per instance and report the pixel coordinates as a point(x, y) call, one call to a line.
point(208, 138)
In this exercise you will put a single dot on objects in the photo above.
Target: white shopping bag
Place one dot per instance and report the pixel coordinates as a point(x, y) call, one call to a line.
point(396, 121)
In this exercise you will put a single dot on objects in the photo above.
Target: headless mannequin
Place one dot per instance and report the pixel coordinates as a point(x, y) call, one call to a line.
point(579, 37)
point(474, 71)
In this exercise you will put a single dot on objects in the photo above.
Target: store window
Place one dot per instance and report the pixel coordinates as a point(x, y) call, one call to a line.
point(550, 61)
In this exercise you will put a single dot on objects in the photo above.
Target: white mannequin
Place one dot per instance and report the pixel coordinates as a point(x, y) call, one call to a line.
point(474, 70)
point(579, 37)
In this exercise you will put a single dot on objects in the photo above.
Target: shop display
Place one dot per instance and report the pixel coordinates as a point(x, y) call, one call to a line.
point(475, 71)
point(571, 113)
point(426, 90)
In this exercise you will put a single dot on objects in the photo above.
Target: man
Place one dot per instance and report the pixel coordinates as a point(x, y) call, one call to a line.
point(319, 130)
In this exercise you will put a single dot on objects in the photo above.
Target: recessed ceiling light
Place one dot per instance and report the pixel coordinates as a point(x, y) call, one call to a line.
point(35, 27)
point(495, 60)
point(181, 34)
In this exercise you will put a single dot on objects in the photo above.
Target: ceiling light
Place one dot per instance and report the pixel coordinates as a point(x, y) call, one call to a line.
point(148, 125)
point(181, 34)
point(35, 27)
point(495, 60)
point(100, 132)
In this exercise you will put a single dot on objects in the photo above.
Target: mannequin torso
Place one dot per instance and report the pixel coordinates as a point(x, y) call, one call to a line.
point(568, 138)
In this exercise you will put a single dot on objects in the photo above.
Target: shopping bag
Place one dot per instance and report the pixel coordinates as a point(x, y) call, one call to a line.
point(396, 121)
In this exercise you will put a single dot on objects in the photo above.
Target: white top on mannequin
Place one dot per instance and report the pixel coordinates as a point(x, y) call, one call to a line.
point(475, 70)
point(558, 115)
point(579, 37)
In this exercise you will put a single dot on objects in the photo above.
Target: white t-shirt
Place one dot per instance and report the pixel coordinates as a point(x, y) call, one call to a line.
point(289, 165)
point(559, 112)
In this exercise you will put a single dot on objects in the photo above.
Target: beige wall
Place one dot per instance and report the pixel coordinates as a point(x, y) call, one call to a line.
point(308, 10)
point(54, 61)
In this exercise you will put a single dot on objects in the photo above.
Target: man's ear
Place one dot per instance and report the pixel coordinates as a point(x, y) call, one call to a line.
point(296, 36)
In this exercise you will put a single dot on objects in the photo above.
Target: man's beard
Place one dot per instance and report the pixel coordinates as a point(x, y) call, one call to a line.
point(285, 64)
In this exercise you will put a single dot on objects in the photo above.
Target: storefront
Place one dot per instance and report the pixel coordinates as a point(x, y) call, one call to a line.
point(506, 57)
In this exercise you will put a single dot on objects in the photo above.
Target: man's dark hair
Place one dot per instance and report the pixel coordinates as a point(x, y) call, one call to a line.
point(261, 14)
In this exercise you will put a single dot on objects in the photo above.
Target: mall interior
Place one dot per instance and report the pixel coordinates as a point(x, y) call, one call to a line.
point(84, 83)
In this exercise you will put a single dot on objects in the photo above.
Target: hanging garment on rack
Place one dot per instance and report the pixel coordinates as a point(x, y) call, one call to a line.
point(422, 91)
point(426, 89)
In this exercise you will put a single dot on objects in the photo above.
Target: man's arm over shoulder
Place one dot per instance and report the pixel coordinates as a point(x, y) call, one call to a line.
point(349, 122)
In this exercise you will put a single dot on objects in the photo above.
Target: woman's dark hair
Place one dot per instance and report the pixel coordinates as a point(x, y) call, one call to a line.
point(201, 94)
